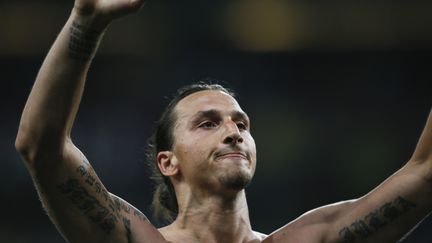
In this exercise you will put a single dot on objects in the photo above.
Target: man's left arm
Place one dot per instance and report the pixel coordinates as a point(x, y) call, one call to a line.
point(386, 214)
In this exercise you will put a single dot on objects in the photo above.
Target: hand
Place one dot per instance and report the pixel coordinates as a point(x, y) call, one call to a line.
point(106, 10)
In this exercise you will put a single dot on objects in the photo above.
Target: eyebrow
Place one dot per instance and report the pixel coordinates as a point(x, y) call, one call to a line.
point(213, 113)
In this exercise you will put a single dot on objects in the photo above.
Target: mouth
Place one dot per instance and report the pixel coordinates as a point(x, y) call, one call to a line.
point(239, 155)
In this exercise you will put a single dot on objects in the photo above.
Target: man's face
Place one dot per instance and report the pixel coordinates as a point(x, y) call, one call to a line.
point(212, 142)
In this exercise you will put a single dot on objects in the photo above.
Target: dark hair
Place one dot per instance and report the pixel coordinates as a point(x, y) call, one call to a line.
point(164, 202)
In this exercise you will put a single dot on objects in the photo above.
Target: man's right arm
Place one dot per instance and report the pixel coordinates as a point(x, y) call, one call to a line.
point(76, 200)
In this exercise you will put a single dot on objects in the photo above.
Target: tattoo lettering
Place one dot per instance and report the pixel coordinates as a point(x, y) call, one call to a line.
point(405, 204)
point(113, 205)
point(105, 194)
point(90, 179)
point(140, 215)
point(390, 211)
point(118, 205)
point(347, 235)
point(98, 187)
point(127, 225)
point(360, 228)
point(82, 42)
point(121, 206)
point(374, 220)
point(89, 205)
point(387, 213)
point(106, 217)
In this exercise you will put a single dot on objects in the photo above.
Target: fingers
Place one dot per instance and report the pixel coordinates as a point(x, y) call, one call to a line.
point(137, 4)
point(134, 6)
point(110, 9)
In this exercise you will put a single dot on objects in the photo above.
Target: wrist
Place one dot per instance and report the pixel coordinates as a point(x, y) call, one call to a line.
point(85, 33)
point(90, 19)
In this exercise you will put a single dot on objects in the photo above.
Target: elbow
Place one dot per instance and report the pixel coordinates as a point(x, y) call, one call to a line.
point(24, 147)
point(35, 148)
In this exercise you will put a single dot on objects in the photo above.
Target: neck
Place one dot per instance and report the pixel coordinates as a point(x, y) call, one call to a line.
point(214, 218)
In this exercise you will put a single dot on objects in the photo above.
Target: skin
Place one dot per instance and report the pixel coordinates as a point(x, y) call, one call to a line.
point(223, 150)
point(212, 159)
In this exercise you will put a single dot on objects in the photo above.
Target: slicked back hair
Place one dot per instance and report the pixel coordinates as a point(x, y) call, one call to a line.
point(164, 203)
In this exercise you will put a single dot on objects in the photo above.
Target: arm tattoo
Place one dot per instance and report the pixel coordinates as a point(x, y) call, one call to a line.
point(115, 204)
point(91, 181)
point(127, 225)
point(86, 202)
point(120, 206)
point(89, 205)
point(105, 217)
point(387, 213)
point(140, 215)
point(82, 42)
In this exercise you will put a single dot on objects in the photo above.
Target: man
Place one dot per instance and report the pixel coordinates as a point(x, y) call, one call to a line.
point(204, 153)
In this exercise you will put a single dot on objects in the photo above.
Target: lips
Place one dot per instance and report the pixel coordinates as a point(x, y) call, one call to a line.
point(235, 154)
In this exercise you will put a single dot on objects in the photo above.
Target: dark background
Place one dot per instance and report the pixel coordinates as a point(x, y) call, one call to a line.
point(338, 93)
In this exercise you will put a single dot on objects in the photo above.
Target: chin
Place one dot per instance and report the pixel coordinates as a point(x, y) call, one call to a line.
point(235, 179)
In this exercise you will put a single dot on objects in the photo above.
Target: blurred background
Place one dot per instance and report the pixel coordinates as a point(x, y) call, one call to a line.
point(338, 93)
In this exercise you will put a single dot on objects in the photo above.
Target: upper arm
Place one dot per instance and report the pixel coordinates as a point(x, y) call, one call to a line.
point(81, 207)
point(385, 214)
point(388, 212)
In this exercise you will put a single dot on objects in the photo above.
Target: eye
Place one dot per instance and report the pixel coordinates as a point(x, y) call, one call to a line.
point(241, 126)
point(208, 124)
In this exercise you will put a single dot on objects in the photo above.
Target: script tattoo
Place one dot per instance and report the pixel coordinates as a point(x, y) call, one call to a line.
point(89, 205)
point(90, 179)
point(139, 215)
point(120, 206)
point(387, 213)
point(105, 216)
point(77, 192)
point(115, 204)
point(127, 225)
point(82, 42)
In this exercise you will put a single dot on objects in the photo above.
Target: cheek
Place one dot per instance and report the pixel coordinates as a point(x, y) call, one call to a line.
point(250, 143)
point(191, 149)
point(183, 149)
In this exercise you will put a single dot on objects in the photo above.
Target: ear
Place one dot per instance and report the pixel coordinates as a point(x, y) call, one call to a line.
point(167, 163)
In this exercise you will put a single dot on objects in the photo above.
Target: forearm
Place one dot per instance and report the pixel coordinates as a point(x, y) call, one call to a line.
point(423, 150)
point(54, 99)
point(422, 156)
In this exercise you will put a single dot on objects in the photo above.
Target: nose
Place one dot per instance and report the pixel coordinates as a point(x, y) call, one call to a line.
point(233, 134)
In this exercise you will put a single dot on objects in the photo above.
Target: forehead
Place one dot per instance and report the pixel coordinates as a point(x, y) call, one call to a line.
point(206, 100)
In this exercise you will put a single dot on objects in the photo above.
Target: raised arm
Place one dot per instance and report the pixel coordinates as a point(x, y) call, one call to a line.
point(423, 152)
point(386, 214)
point(76, 201)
